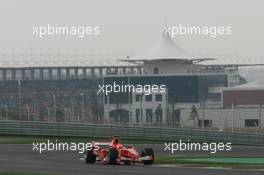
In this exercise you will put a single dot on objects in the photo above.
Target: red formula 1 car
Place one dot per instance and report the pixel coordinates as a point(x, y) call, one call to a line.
point(115, 153)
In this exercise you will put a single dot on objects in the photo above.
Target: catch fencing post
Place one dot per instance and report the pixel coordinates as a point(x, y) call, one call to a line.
point(260, 108)
point(233, 117)
point(203, 115)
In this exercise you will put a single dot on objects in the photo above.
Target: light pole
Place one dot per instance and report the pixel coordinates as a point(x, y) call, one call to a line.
point(203, 115)
point(55, 110)
point(48, 114)
point(28, 112)
point(260, 108)
point(82, 107)
point(6, 112)
point(233, 117)
point(256, 126)
point(108, 103)
point(19, 99)
point(141, 109)
point(67, 113)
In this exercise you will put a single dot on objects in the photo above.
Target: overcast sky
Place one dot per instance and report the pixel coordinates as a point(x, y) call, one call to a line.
point(131, 26)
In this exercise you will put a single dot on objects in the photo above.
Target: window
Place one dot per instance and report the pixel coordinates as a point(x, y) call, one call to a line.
point(251, 123)
point(158, 97)
point(137, 115)
point(207, 123)
point(138, 98)
point(148, 97)
point(155, 70)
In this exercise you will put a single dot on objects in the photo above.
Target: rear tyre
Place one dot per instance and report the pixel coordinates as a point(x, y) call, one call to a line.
point(111, 156)
point(89, 157)
point(148, 152)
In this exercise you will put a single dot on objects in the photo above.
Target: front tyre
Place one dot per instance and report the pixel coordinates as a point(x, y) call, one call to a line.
point(112, 156)
point(148, 152)
point(89, 157)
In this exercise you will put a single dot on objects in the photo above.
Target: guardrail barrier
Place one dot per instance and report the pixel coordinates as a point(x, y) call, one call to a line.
point(129, 132)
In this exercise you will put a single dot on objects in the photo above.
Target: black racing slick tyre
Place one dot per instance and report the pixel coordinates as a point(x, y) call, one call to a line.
point(148, 152)
point(111, 156)
point(89, 157)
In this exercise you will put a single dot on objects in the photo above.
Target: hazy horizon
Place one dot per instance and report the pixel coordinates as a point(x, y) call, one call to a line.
point(131, 27)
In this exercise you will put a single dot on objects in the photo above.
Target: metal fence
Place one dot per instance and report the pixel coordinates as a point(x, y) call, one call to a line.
point(129, 132)
point(213, 116)
point(78, 101)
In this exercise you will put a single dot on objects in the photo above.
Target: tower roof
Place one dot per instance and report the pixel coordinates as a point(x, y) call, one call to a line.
point(166, 49)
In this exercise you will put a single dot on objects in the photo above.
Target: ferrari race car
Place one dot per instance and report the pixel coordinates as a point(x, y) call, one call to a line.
point(115, 153)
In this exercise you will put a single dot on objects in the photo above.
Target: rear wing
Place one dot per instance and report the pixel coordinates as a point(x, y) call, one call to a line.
point(101, 143)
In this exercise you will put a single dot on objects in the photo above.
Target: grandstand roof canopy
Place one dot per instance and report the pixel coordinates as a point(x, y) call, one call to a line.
point(248, 86)
point(61, 60)
point(166, 49)
point(104, 60)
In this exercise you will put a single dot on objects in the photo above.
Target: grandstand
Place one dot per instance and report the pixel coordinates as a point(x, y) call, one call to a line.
point(64, 87)
point(71, 100)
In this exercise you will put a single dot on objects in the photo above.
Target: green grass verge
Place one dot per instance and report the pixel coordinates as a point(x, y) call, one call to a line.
point(24, 173)
point(234, 162)
point(209, 160)
point(25, 139)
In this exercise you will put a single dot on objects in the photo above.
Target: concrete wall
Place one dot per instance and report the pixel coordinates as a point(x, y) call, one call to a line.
point(223, 118)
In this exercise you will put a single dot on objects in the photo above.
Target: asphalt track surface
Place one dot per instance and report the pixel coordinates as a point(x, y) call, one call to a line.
point(22, 158)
